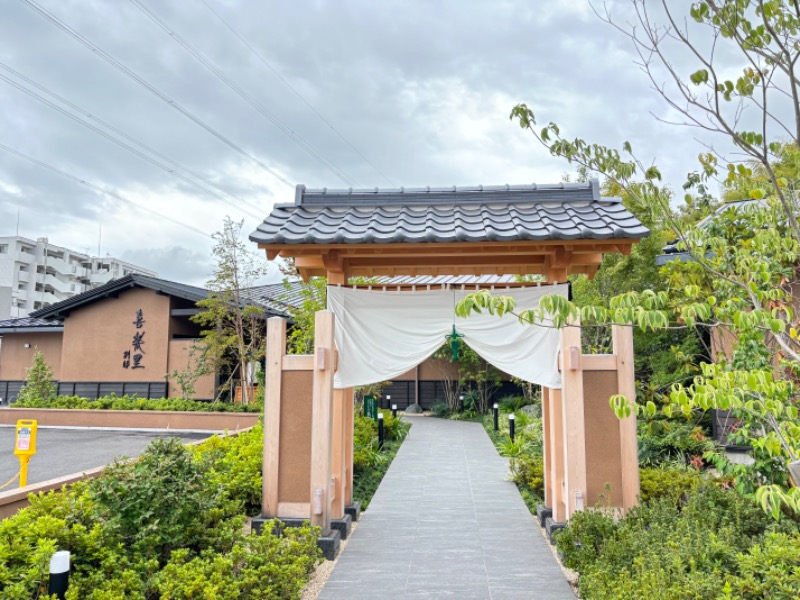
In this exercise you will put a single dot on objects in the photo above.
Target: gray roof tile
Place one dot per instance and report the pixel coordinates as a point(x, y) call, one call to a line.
point(564, 211)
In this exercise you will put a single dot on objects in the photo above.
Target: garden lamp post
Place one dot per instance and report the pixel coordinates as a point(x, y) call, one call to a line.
point(496, 415)
point(511, 431)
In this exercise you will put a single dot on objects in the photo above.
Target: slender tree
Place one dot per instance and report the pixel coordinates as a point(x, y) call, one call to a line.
point(234, 327)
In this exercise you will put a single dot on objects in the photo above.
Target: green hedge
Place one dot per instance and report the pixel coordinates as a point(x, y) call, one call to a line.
point(711, 543)
point(370, 463)
point(168, 525)
point(114, 402)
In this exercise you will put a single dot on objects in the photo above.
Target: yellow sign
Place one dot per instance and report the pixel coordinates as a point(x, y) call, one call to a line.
point(25, 447)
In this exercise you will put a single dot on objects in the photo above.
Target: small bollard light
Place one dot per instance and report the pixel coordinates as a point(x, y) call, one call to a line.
point(461, 403)
point(388, 399)
point(511, 431)
point(59, 574)
point(394, 410)
point(381, 434)
point(496, 414)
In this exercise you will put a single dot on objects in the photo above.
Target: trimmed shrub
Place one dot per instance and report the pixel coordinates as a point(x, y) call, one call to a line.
point(114, 402)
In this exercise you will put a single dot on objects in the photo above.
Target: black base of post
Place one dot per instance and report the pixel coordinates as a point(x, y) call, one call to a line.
point(381, 433)
point(58, 584)
point(511, 429)
point(496, 419)
point(354, 510)
point(551, 527)
point(329, 542)
point(543, 513)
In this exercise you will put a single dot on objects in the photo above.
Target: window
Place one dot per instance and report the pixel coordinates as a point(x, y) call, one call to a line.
point(3, 248)
point(23, 268)
point(72, 287)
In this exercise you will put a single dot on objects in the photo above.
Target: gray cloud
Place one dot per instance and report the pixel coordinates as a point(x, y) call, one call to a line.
point(423, 89)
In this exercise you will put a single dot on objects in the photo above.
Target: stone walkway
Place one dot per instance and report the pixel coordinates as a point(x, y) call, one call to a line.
point(445, 523)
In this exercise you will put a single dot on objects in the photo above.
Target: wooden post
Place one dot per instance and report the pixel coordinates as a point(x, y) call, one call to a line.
point(276, 348)
point(349, 424)
point(574, 423)
point(622, 339)
point(338, 453)
point(322, 421)
point(557, 474)
point(547, 448)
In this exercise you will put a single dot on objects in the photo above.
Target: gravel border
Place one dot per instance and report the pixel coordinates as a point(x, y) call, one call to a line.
point(320, 576)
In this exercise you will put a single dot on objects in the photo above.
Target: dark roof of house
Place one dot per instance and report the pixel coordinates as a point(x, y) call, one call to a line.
point(278, 298)
point(170, 288)
point(30, 324)
point(563, 211)
point(739, 206)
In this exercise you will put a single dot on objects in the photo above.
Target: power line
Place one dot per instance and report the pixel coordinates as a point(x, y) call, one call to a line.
point(144, 83)
point(280, 77)
point(124, 135)
point(126, 146)
point(100, 189)
point(272, 118)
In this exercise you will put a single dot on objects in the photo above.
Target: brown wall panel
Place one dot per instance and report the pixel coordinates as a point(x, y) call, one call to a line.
point(603, 462)
point(97, 335)
point(178, 360)
point(294, 470)
point(15, 358)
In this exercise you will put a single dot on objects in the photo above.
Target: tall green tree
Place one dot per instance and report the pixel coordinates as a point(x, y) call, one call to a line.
point(233, 326)
point(39, 385)
point(741, 282)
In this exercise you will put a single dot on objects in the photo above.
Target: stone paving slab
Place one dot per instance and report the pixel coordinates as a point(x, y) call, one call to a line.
point(445, 524)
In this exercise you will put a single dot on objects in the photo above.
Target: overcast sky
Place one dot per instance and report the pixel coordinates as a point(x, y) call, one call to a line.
point(410, 93)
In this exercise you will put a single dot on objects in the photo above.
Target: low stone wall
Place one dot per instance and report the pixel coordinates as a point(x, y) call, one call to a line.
point(131, 419)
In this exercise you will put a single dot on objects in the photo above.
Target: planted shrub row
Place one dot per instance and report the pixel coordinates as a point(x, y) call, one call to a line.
point(167, 525)
point(114, 402)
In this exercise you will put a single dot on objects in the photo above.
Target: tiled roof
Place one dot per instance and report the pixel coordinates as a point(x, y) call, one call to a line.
point(29, 324)
point(277, 297)
point(469, 214)
point(171, 288)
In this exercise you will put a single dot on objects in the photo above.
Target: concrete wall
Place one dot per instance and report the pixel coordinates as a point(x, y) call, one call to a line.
point(179, 360)
point(15, 358)
point(97, 335)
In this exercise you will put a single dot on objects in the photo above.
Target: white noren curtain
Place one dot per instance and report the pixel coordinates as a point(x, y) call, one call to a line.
point(381, 335)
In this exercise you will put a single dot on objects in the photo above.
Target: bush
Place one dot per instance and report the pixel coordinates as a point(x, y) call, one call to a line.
point(114, 402)
point(440, 409)
point(670, 482)
point(528, 470)
point(665, 549)
point(770, 569)
point(512, 403)
point(167, 525)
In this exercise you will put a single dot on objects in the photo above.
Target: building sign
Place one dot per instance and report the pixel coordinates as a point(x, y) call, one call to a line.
point(132, 359)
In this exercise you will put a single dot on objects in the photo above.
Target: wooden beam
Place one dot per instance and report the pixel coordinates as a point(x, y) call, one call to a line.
point(599, 362)
point(298, 362)
point(276, 348)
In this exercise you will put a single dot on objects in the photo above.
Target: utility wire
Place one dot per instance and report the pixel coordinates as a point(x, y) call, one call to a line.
point(126, 146)
point(100, 189)
point(272, 118)
point(144, 83)
point(280, 77)
point(124, 135)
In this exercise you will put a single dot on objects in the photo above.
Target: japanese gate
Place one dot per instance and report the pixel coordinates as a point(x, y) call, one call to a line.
point(552, 231)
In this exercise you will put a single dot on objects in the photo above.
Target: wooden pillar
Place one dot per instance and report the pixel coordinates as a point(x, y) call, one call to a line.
point(558, 455)
point(622, 339)
point(321, 420)
point(573, 417)
point(349, 423)
point(547, 448)
point(276, 348)
point(338, 453)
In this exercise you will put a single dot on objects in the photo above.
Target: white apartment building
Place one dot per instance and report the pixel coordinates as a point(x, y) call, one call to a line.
point(35, 274)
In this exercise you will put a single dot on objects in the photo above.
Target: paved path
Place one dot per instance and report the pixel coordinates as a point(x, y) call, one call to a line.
point(62, 452)
point(445, 523)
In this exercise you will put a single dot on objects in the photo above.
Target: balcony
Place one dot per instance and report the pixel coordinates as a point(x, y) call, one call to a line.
point(101, 278)
point(24, 276)
point(60, 286)
point(63, 267)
